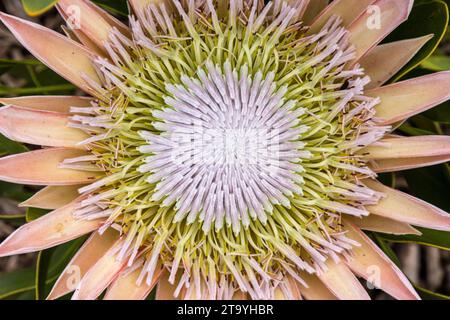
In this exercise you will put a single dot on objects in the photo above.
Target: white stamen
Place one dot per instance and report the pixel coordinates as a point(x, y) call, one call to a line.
point(253, 136)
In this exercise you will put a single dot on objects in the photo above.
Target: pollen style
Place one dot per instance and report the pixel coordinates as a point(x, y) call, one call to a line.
point(224, 149)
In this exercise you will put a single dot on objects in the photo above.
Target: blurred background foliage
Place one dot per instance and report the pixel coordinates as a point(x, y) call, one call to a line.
point(425, 259)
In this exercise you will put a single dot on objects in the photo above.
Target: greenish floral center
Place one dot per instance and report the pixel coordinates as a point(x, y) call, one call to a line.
point(226, 148)
point(233, 118)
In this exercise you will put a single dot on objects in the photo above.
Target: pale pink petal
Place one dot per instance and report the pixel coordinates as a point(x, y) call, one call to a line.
point(125, 287)
point(239, 295)
point(383, 225)
point(370, 263)
point(392, 165)
point(315, 7)
point(349, 11)
point(342, 282)
point(140, 5)
point(92, 250)
point(113, 21)
point(384, 61)
point(316, 290)
point(41, 167)
point(64, 56)
point(278, 295)
point(78, 36)
point(52, 197)
point(48, 103)
point(54, 228)
point(45, 128)
point(93, 22)
point(292, 286)
point(165, 290)
point(408, 147)
point(366, 32)
point(100, 275)
point(402, 207)
point(405, 99)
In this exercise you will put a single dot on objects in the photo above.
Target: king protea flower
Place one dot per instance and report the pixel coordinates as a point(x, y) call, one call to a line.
point(225, 149)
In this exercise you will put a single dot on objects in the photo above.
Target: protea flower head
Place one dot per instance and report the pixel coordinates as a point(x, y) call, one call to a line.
point(225, 150)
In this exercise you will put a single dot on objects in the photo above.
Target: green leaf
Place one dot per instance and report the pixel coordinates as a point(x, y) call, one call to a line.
point(38, 7)
point(7, 64)
point(432, 238)
point(431, 184)
point(118, 7)
point(14, 191)
point(419, 2)
point(436, 63)
point(11, 216)
point(34, 213)
point(422, 122)
point(8, 146)
point(35, 8)
point(413, 131)
point(61, 88)
point(388, 179)
point(42, 266)
point(427, 17)
point(16, 282)
point(440, 113)
point(27, 295)
point(38, 79)
point(21, 281)
point(426, 294)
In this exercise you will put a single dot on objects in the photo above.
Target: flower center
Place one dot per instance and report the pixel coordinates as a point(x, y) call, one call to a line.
point(229, 139)
point(227, 148)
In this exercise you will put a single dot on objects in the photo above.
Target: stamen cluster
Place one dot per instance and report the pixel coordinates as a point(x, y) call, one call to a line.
point(235, 118)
